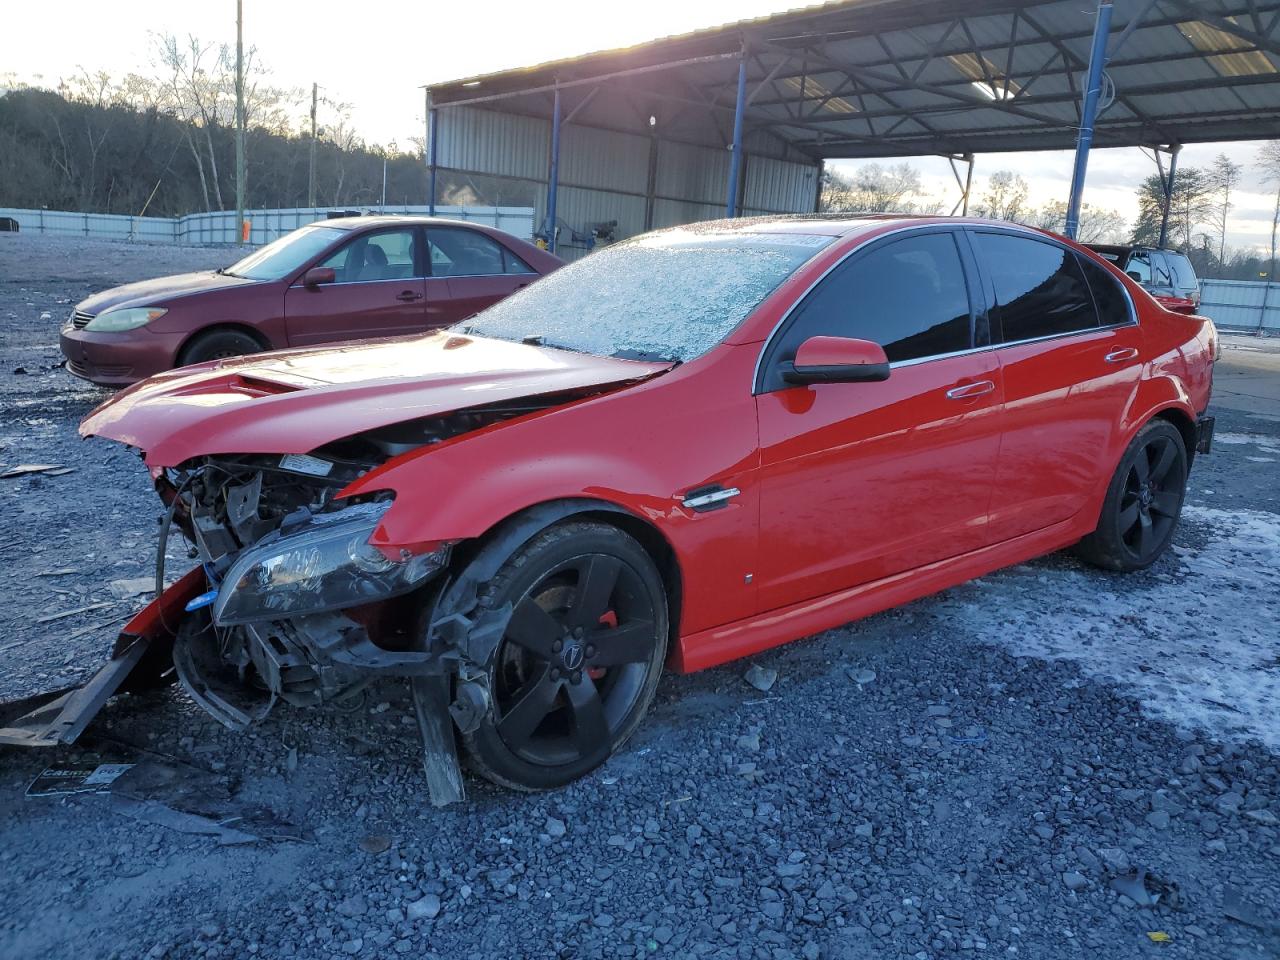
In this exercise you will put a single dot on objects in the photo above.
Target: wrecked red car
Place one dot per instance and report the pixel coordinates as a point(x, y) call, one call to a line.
point(688, 448)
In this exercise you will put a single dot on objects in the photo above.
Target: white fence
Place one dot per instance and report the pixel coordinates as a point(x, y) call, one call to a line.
point(220, 227)
point(1242, 304)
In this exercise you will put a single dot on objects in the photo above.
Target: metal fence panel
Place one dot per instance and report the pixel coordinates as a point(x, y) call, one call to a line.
point(1242, 304)
point(219, 227)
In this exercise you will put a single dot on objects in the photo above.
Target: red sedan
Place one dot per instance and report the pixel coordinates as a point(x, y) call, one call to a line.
point(688, 448)
point(341, 279)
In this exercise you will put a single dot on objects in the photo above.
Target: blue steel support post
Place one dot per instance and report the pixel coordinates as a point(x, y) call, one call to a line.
point(433, 135)
point(735, 159)
point(553, 175)
point(1088, 114)
point(1168, 193)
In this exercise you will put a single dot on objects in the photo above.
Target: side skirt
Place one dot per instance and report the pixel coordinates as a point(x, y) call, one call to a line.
point(710, 648)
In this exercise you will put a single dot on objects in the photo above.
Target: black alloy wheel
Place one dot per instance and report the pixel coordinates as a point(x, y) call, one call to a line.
point(1143, 502)
point(580, 659)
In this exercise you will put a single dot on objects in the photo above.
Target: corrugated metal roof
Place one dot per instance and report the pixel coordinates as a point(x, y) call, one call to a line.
point(866, 78)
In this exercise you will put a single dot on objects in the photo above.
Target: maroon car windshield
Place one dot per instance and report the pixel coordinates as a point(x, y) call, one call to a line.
point(282, 257)
point(665, 296)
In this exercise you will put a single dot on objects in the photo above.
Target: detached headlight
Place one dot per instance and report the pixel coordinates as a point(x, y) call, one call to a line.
point(113, 321)
point(327, 566)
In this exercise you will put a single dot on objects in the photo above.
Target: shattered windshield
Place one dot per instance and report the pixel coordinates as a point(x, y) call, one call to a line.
point(664, 296)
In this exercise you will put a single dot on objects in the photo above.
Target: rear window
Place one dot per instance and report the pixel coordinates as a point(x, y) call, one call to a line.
point(1184, 275)
point(1040, 289)
point(1108, 295)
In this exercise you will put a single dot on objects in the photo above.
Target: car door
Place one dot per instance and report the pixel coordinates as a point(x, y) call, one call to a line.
point(1070, 354)
point(378, 291)
point(469, 272)
point(860, 481)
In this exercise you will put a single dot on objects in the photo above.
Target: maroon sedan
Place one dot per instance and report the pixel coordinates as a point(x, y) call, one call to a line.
point(342, 279)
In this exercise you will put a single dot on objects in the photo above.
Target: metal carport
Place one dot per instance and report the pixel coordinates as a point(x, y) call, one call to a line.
point(882, 78)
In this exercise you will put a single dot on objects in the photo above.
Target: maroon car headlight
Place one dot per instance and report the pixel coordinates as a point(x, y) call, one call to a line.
point(113, 321)
point(329, 565)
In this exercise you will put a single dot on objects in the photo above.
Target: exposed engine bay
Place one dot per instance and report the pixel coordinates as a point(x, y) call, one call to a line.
point(300, 607)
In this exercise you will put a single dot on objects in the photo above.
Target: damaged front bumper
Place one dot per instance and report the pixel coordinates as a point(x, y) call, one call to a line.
point(140, 658)
point(237, 674)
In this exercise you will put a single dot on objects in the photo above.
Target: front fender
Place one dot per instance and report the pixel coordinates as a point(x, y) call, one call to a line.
point(639, 450)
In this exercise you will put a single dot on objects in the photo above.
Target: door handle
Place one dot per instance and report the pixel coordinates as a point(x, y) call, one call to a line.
point(1121, 354)
point(969, 390)
point(407, 295)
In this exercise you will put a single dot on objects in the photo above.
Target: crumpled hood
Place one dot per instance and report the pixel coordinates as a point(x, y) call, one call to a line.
point(146, 293)
point(294, 401)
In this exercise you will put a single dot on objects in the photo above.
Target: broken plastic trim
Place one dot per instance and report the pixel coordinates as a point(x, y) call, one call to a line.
point(61, 716)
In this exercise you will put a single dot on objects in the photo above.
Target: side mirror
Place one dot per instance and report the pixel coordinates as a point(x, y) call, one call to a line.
point(837, 360)
point(318, 275)
point(1133, 275)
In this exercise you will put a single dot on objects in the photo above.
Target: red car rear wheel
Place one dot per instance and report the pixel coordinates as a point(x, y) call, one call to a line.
point(1143, 503)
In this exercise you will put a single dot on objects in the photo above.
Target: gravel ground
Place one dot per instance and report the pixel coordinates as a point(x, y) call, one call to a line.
point(966, 775)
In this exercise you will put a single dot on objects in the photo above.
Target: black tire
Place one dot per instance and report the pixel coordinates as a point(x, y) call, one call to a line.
point(218, 345)
point(1143, 502)
point(563, 704)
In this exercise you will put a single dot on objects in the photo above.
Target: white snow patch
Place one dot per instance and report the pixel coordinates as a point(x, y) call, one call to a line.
point(1265, 444)
point(1200, 649)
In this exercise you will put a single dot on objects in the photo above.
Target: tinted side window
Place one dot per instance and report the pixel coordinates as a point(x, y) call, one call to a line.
point(1161, 272)
point(908, 295)
point(1040, 291)
point(1139, 267)
point(459, 252)
point(1108, 295)
point(1183, 273)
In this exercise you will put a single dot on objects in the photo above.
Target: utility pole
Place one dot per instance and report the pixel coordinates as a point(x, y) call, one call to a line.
point(311, 176)
point(384, 184)
point(239, 121)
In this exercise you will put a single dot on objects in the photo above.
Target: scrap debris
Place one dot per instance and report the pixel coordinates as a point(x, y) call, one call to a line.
point(48, 469)
point(70, 778)
point(762, 678)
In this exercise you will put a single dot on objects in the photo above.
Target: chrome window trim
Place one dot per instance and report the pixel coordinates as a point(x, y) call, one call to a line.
point(470, 276)
point(357, 283)
point(916, 361)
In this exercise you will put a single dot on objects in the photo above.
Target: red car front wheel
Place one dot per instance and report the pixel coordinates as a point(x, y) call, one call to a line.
point(579, 661)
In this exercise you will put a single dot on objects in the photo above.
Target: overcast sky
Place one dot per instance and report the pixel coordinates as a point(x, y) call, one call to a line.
point(375, 56)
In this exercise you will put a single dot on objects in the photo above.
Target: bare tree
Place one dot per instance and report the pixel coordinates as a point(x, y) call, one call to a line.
point(884, 189)
point(1006, 196)
point(872, 188)
point(1096, 224)
point(1223, 177)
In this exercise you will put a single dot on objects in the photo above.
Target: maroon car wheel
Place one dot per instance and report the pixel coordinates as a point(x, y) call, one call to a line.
point(580, 659)
point(218, 345)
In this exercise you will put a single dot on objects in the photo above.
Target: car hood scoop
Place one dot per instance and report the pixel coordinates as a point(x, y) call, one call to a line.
point(295, 401)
